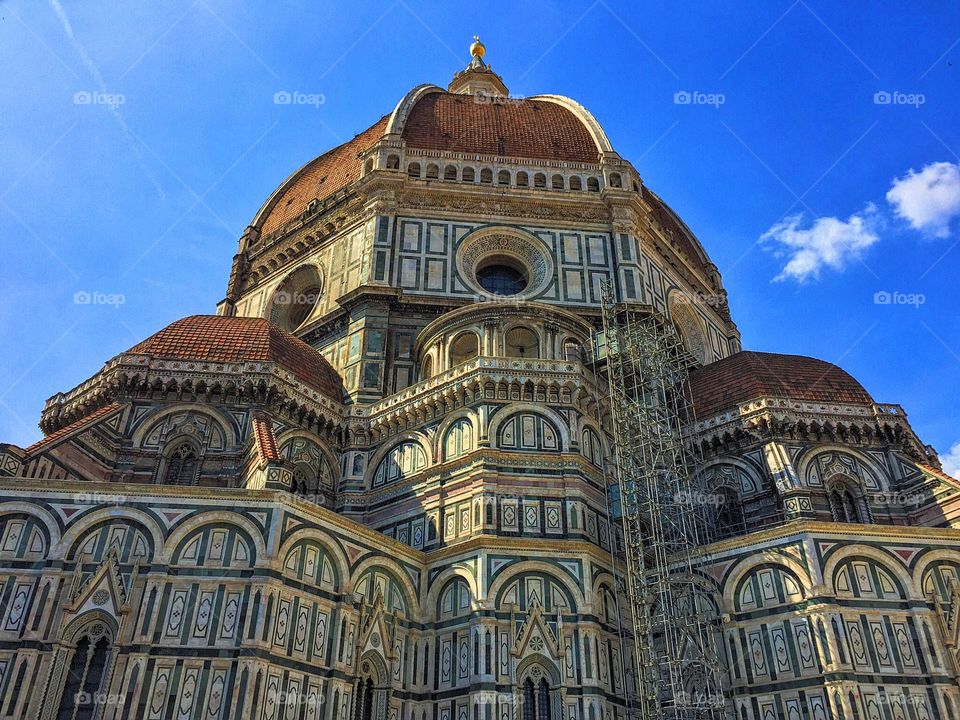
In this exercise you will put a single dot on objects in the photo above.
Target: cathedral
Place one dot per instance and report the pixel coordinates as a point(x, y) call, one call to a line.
point(379, 482)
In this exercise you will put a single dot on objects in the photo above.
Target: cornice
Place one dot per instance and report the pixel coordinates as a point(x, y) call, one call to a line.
point(128, 372)
point(771, 411)
point(434, 392)
point(798, 529)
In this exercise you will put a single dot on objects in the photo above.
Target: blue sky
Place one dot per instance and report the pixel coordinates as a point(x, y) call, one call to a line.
point(816, 159)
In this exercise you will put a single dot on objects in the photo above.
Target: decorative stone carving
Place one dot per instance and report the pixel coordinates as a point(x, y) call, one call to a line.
point(488, 243)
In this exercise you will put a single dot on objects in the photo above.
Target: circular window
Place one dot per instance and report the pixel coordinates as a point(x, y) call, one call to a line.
point(503, 262)
point(502, 276)
point(295, 299)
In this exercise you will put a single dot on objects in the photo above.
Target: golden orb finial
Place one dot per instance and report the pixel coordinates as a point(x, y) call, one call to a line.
point(477, 49)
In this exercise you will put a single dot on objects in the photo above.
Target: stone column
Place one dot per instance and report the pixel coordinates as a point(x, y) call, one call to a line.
point(796, 500)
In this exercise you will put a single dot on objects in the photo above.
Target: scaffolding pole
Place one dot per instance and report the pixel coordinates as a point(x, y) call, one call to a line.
point(664, 513)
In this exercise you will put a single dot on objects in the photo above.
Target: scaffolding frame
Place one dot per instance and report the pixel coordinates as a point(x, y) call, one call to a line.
point(665, 514)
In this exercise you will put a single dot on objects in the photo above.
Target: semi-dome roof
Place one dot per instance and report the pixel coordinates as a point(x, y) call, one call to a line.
point(747, 376)
point(221, 339)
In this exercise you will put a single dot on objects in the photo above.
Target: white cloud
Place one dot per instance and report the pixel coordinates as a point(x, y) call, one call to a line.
point(928, 199)
point(951, 461)
point(829, 242)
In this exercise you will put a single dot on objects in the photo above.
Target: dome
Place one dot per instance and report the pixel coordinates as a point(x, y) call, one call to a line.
point(220, 339)
point(747, 376)
point(546, 127)
point(318, 179)
point(529, 128)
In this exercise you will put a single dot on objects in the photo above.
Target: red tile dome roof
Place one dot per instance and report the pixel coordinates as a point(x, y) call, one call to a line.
point(320, 178)
point(749, 375)
point(219, 339)
point(536, 129)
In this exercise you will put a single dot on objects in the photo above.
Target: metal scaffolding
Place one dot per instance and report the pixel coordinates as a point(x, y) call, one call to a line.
point(664, 513)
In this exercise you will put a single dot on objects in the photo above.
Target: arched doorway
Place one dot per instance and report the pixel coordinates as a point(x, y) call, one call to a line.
point(83, 667)
point(371, 690)
point(539, 689)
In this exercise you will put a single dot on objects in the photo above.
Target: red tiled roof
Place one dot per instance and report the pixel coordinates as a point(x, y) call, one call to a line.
point(535, 129)
point(749, 375)
point(220, 339)
point(939, 473)
point(55, 437)
point(322, 177)
point(266, 442)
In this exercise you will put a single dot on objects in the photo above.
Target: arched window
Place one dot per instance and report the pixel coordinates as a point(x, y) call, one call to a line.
point(615, 180)
point(689, 326)
point(450, 172)
point(368, 166)
point(401, 462)
point(591, 446)
point(426, 369)
point(368, 699)
point(543, 700)
point(503, 177)
point(464, 347)
point(86, 674)
point(576, 183)
point(459, 439)
point(433, 172)
point(469, 174)
point(413, 169)
point(304, 482)
point(454, 600)
point(540, 180)
point(486, 176)
point(529, 701)
point(729, 512)
point(536, 700)
point(523, 180)
point(393, 162)
point(846, 505)
point(183, 461)
point(572, 350)
point(593, 184)
point(528, 432)
point(523, 343)
point(557, 182)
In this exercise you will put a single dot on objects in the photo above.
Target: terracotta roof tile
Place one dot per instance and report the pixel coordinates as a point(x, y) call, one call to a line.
point(219, 339)
point(535, 129)
point(748, 375)
point(266, 442)
point(939, 473)
point(322, 177)
point(55, 437)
